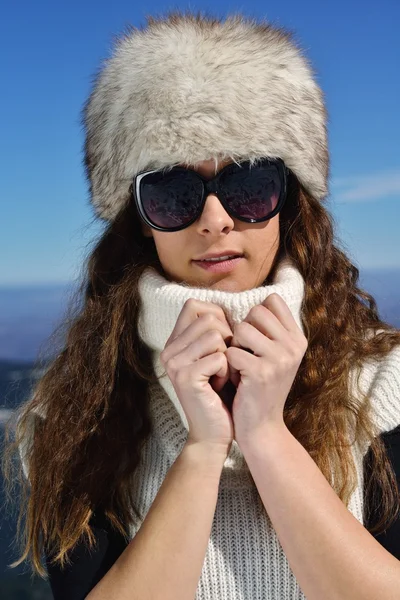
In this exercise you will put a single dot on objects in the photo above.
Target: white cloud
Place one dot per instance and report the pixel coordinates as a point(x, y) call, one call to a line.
point(368, 187)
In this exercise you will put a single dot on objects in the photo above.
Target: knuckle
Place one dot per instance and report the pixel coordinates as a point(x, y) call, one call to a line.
point(172, 365)
point(208, 318)
point(181, 375)
point(190, 302)
point(228, 352)
point(220, 356)
point(214, 336)
point(220, 310)
point(257, 311)
point(299, 351)
point(300, 346)
point(285, 361)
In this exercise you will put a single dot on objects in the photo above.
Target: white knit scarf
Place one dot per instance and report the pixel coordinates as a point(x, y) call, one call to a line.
point(163, 300)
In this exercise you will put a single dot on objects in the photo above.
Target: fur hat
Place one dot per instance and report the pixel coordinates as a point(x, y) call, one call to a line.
point(189, 88)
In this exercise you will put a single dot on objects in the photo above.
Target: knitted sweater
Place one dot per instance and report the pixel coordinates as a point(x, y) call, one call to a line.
point(244, 558)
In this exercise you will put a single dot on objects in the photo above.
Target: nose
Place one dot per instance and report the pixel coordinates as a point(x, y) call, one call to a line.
point(214, 219)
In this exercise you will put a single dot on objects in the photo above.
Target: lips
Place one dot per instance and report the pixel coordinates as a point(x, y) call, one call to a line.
point(219, 266)
point(230, 253)
point(218, 258)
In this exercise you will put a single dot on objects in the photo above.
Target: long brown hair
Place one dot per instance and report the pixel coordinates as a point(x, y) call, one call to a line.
point(94, 392)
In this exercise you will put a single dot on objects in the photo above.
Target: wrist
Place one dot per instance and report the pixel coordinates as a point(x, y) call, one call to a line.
point(206, 454)
point(268, 436)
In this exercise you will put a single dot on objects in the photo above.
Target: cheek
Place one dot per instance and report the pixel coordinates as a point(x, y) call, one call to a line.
point(171, 247)
point(262, 245)
point(271, 235)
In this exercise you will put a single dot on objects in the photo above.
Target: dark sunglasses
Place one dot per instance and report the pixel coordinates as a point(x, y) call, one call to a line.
point(173, 200)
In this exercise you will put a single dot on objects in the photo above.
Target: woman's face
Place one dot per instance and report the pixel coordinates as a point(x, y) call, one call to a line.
point(216, 231)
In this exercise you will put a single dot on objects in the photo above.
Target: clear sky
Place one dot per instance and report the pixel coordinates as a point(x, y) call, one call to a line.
point(49, 54)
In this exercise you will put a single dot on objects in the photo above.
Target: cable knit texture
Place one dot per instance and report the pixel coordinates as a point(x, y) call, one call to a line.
point(244, 559)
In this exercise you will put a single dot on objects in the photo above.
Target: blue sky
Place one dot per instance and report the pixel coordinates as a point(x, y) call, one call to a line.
point(49, 54)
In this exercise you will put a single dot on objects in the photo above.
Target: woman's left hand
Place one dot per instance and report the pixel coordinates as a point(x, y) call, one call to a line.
point(263, 379)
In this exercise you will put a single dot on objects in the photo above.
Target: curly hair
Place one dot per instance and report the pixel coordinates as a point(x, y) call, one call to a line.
point(84, 454)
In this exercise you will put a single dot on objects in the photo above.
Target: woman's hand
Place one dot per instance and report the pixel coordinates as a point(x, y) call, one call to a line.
point(264, 377)
point(193, 354)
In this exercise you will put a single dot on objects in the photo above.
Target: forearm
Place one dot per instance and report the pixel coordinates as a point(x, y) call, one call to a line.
point(330, 552)
point(165, 558)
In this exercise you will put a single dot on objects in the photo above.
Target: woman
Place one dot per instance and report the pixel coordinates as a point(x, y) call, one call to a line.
point(214, 429)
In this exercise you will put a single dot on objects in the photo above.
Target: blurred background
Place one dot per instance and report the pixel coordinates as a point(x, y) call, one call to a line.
point(50, 52)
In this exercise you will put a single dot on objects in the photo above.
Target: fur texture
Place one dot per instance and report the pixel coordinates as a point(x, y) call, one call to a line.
point(187, 88)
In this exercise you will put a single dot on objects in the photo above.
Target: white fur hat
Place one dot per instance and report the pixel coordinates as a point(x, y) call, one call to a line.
point(188, 88)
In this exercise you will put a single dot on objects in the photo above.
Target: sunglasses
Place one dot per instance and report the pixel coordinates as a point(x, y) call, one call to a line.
point(174, 199)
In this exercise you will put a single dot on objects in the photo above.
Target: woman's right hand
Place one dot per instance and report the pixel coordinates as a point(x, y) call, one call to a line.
point(195, 352)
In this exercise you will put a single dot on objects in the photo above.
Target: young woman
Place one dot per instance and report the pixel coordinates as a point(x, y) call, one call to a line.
point(214, 428)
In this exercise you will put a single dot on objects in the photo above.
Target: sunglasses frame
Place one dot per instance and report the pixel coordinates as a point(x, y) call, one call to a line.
point(211, 186)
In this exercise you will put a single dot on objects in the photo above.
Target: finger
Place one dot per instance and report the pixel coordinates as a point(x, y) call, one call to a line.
point(234, 375)
point(192, 309)
point(210, 342)
point(241, 362)
point(278, 307)
point(212, 365)
point(218, 381)
point(247, 337)
point(206, 322)
point(266, 322)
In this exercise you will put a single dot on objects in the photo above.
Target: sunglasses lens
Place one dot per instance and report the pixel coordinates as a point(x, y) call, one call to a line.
point(171, 199)
point(252, 193)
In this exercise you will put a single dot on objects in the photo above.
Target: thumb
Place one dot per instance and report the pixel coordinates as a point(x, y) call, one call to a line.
point(217, 382)
point(234, 376)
